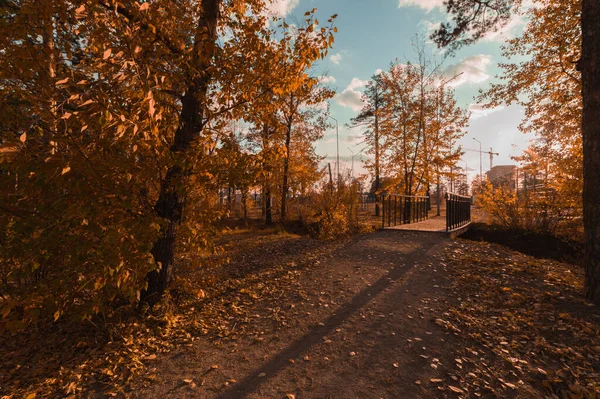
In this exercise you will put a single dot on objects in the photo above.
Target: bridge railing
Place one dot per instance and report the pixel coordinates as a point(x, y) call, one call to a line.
point(403, 209)
point(458, 211)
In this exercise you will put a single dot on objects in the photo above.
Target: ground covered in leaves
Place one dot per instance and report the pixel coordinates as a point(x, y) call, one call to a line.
point(102, 358)
point(527, 331)
point(387, 314)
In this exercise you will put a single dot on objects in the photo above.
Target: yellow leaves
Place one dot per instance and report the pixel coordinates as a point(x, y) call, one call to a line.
point(65, 170)
point(144, 6)
point(23, 137)
point(88, 102)
point(66, 115)
point(107, 53)
point(71, 387)
point(151, 103)
point(6, 309)
point(62, 81)
point(56, 315)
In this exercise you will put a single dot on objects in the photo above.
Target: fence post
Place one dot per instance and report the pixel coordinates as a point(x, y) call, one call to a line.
point(448, 211)
point(382, 211)
point(395, 210)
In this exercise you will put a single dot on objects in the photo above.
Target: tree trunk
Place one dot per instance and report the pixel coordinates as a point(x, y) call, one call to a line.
point(173, 189)
point(589, 65)
point(268, 213)
point(377, 183)
point(267, 185)
point(286, 161)
point(245, 204)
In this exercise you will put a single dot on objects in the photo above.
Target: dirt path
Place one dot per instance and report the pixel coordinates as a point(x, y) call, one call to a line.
point(358, 324)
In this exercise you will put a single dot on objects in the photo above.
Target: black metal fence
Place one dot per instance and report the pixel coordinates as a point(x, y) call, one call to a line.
point(458, 211)
point(403, 209)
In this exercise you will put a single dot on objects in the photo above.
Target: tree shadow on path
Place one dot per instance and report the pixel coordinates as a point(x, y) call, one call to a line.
point(262, 375)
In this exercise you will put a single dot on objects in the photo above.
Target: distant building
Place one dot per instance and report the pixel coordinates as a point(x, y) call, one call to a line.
point(502, 175)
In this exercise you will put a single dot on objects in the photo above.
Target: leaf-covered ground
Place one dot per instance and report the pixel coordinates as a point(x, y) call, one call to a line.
point(527, 331)
point(388, 314)
point(102, 358)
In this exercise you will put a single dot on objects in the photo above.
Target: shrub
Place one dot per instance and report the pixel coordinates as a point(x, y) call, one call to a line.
point(337, 210)
point(544, 211)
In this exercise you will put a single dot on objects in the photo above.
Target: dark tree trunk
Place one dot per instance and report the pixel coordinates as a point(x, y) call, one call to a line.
point(245, 204)
point(589, 65)
point(377, 183)
point(267, 185)
point(173, 191)
point(286, 160)
point(268, 212)
point(286, 169)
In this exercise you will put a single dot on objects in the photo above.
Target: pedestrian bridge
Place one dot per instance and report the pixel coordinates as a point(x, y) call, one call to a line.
point(411, 213)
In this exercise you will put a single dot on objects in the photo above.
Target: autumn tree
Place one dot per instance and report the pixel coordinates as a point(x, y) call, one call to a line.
point(302, 119)
point(109, 125)
point(471, 19)
point(420, 123)
point(548, 86)
point(369, 120)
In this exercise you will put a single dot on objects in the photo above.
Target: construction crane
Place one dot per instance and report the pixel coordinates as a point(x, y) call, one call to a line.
point(491, 153)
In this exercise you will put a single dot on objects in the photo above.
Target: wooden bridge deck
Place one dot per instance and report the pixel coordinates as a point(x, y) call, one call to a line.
point(436, 224)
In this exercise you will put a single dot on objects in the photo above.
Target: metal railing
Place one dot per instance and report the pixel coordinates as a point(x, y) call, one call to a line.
point(402, 209)
point(458, 211)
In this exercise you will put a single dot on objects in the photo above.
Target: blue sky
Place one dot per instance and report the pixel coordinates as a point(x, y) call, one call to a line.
point(373, 33)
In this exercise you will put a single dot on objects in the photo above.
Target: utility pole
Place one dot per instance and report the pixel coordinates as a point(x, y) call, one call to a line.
point(480, 159)
point(353, 154)
point(330, 177)
point(352, 170)
point(467, 177)
point(337, 144)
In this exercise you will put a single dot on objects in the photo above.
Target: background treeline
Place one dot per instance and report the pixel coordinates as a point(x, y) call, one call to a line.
point(411, 124)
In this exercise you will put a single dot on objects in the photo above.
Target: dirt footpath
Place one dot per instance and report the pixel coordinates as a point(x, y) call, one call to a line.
point(357, 324)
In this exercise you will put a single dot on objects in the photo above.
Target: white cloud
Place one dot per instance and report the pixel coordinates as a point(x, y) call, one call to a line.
point(336, 58)
point(480, 110)
point(351, 97)
point(357, 83)
point(507, 32)
point(471, 70)
point(354, 138)
point(425, 4)
point(327, 79)
point(281, 8)
point(430, 27)
point(378, 71)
